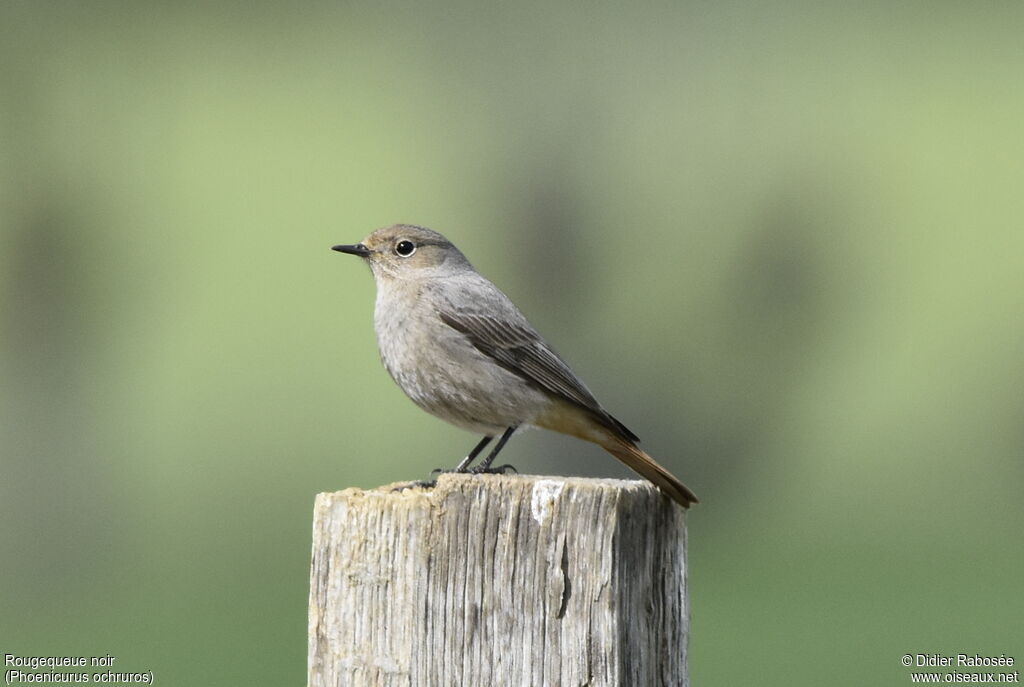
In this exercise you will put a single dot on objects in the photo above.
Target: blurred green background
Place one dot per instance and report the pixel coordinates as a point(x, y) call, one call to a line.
point(782, 242)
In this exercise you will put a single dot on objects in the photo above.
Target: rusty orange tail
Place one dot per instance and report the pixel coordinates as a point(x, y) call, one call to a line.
point(644, 465)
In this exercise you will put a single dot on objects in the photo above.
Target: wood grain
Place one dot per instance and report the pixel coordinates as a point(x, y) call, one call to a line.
point(499, 580)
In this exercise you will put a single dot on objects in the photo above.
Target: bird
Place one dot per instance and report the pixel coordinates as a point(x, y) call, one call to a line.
point(462, 351)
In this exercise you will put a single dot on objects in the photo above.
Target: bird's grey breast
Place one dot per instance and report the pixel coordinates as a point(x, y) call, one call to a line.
point(438, 366)
point(405, 331)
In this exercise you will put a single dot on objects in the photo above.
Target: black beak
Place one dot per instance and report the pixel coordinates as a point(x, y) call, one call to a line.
point(357, 249)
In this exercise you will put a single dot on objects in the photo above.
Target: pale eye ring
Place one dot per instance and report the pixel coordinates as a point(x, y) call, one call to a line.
point(405, 248)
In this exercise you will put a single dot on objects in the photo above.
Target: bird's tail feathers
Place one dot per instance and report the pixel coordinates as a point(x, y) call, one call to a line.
point(646, 467)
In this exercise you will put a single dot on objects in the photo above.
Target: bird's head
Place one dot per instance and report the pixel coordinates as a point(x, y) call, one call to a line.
point(405, 251)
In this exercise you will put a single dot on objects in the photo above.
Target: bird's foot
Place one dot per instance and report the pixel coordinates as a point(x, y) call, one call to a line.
point(477, 470)
point(415, 484)
point(495, 470)
point(445, 471)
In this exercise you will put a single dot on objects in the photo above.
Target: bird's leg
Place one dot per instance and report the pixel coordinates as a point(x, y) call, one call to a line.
point(486, 465)
point(464, 465)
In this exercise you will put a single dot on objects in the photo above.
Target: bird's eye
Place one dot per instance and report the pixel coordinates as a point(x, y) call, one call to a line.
point(405, 248)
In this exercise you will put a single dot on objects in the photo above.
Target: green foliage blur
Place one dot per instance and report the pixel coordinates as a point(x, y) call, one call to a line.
point(782, 242)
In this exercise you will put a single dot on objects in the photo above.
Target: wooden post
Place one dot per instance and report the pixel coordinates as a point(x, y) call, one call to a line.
point(499, 580)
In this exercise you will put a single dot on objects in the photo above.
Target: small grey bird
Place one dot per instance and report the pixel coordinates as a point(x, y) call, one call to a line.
point(461, 350)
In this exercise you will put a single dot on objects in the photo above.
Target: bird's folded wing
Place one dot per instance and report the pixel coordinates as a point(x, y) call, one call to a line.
point(519, 348)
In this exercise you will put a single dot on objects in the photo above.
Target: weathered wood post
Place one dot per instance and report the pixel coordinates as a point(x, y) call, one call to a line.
point(499, 580)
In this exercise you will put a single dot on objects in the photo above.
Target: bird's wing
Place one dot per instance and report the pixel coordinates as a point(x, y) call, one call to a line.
point(515, 345)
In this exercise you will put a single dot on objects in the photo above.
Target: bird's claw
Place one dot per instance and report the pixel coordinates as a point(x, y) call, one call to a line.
point(477, 470)
point(416, 484)
point(496, 470)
